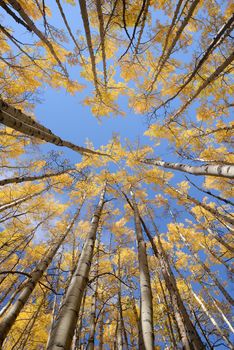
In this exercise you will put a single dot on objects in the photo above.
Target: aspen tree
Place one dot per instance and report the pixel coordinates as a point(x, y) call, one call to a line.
point(30, 24)
point(101, 326)
point(208, 271)
point(169, 62)
point(11, 314)
point(146, 293)
point(20, 179)
point(202, 303)
point(204, 308)
point(19, 121)
point(63, 329)
point(215, 212)
point(190, 337)
point(90, 345)
point(218, 170)
point(121, 331)
point(17, 202)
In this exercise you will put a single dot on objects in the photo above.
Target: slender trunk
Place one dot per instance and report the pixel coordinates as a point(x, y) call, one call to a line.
point(101, 331)
point(119, 335)
point(215, 212)
point(19, 121)
point(145, 286)
point(19, 201)
point(85, 18)
point(145, 13)
point(90, 345)
point(77, 341)
point(68, 28)
point(202, 330)
point(17, 7)
point(209, 273)
point(218, 170)
point(217, 257)
point(29, 327)
point(16, 180)
point(121, 319)
point(222, 314)
point(170, 327)
point(63, 330)
point(224, 31)
point(102, 37)
point(211, 318)
point(189, 335)
point(219, 239)
point(11, 314)
point(167, 53)
point(141, 345)
point(208, 81)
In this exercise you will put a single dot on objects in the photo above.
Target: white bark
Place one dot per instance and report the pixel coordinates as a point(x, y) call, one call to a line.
point(11, 314)
point(189, 335)
point(20, 200)
point(218, 170)
point(20, 179)
point(64, 327)
point(17, 7)
point(222, 315)
point(19, 121)
point(213, 321)
point(217, 214)
point(145, 286)
point(208, 271)
point(203, 86)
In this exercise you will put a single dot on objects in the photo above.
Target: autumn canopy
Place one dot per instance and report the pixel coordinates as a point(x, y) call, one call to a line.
point(113, 237)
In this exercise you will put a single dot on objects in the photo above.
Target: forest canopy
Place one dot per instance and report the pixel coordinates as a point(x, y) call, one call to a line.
point(116, 174)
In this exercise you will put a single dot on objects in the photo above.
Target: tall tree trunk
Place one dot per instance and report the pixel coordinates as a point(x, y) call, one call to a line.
point(85, 18)
point(17, 202)
point(63, 330)
point(218, 170)
point(120, 309)
point(170, 327)
point(90, 345)
point(208, 271)
point(221, 313)
point(203, 86)
point(11, 314)
point(168, 50)
point(220, 216)
point(102, 37)
point(101, 331)
point(211, 318)
point(20, 179)
point(119, 334)
point(145, 286)
point(17, 7)
point(189, 335)
point(19, 121)
point(141, 345)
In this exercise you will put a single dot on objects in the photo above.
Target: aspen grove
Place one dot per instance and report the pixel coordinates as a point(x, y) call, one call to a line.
point(126, 243)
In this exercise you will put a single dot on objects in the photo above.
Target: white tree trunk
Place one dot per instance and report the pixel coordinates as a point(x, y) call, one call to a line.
point(145, 286)
point(213, 321)
point(17, 202)
point(9, 317)
point(19, 121)
point(63, 329)
point(218, 170)
point(20, 179)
